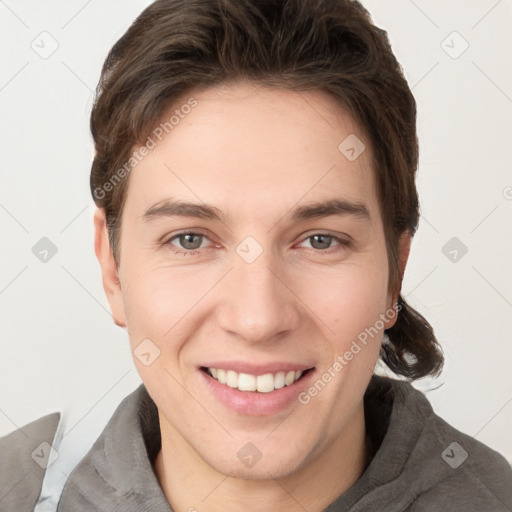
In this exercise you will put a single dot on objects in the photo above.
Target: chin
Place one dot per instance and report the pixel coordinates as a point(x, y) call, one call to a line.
point(249, 463)
point(260, 471)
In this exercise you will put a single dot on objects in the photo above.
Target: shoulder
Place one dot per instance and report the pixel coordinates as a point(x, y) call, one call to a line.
point(445, 468)
point(25, 455)
point(477, 477)
point(109, 472)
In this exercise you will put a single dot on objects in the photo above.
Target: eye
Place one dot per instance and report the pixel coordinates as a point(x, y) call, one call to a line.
point(322, 242)
point(190, 241)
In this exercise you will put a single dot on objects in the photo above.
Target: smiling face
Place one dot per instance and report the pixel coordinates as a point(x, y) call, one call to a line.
point(279, 267)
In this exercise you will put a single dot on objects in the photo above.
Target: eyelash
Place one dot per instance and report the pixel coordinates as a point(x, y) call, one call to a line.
point(345, 244)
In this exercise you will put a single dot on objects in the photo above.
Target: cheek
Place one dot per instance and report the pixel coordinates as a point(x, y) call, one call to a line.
point(166, 305)
point(348, 302)
point(160, 304)
point(157, 296)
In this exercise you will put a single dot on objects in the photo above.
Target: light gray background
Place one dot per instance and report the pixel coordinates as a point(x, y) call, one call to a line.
point(59, 347)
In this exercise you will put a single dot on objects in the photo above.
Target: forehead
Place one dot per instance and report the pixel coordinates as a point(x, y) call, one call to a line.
point(247, 147)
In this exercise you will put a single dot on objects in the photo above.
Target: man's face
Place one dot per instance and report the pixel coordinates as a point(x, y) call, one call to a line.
point(260, 290)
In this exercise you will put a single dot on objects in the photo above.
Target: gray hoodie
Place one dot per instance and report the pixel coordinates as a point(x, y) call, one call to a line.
point(420, 463)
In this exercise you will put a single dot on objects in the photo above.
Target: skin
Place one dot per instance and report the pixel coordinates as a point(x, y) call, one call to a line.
point(255, 153)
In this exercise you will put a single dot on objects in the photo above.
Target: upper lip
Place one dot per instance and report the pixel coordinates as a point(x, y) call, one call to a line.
point(257, 368)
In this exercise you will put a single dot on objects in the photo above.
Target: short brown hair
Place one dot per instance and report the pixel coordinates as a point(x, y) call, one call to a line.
point(176, 47)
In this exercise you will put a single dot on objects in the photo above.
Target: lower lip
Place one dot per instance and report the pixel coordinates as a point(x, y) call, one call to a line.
point(254, 403)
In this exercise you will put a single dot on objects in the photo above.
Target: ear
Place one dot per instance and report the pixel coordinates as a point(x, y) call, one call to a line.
point(404, 248)
point(109, 276)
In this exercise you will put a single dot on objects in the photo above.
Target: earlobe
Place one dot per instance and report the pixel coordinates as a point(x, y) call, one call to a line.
point(109, 275)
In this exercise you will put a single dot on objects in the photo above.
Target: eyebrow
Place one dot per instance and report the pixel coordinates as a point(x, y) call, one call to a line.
point(175, 208)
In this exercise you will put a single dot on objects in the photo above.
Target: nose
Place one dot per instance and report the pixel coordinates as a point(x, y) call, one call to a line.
point(258, 304)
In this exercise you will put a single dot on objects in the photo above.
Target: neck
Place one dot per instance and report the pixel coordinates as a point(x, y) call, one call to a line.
point(189, 483)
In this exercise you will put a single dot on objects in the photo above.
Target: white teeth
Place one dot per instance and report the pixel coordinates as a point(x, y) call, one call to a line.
point(262, 383)
point(290, 376)
point(265, 383)
point(232, 379)
point(246, 382)
point(279, 380)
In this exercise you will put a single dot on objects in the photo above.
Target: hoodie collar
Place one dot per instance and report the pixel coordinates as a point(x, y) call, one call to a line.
point(399, 419)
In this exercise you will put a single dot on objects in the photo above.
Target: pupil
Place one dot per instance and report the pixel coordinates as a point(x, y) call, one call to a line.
point(187, 242)
point(324, 241)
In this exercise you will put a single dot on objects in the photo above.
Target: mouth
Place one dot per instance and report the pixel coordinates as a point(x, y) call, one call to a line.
point(255, 388)
point(261, 383)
